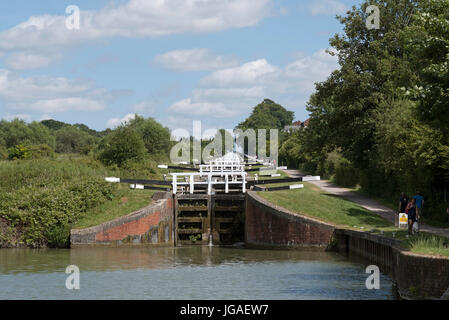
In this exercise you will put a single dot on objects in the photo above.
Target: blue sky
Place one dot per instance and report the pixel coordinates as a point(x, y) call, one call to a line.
point(174, 60)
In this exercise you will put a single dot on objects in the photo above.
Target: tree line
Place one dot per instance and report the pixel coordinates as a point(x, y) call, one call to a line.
point(382, 119)
point(133, 141)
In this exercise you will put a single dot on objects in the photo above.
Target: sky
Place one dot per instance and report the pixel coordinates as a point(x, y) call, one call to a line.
point(177, 61)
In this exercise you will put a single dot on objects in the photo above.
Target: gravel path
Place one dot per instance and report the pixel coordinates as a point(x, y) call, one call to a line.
point(366, 203)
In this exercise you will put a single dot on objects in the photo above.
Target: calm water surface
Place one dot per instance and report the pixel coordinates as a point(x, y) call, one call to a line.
point(185, 273)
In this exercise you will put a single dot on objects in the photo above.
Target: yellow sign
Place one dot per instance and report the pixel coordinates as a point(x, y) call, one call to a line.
point(403, 219)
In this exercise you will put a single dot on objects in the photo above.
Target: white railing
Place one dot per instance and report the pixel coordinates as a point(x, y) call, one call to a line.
point(210, 179)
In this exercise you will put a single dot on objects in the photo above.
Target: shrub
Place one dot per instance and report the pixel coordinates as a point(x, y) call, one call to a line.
point(41, 199)
point(3, 153)
point(345, 174)
point(41, 151)
point(19, 152)
point(121, 146)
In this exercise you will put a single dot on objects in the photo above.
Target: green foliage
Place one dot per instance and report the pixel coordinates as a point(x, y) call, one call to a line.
point(41, 199)
point(17, 132)
point(40, 151)
point(70, 139)
point(267, 115)
point(19, 152)
point(123, 145)
point(155, 137)
point(345, 174)
point(3, 153)
point(385, 111)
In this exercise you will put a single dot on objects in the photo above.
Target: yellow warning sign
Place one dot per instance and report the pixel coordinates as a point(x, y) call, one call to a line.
point(403, 220)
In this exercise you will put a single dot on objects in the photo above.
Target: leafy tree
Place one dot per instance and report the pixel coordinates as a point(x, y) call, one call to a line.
point(428, 39)
point(155, 137)
point(19, 132)
point(267, 115)
point(70, 139)
point(53, 124)
point(121, 146)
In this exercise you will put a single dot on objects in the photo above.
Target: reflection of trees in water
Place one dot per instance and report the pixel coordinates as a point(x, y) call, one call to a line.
point(110, 259)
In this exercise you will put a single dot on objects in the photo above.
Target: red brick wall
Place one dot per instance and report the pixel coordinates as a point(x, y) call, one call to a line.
point(269, 225)
point(136, 227)
point(150, 225)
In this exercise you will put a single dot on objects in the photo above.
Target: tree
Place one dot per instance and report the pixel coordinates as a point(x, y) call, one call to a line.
point(70, 139)
point(121, 146)
point(373, 65)
point(19, 132)
point(428, 39)
point(267, 115)
point(155, 137)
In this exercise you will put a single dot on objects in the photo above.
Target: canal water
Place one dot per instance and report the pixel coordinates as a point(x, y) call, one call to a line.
point(185, 273)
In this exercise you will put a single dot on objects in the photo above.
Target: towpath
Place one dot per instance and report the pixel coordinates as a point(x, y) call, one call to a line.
point(366, 202)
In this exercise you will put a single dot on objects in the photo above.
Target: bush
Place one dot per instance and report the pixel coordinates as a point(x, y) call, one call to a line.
point(121, 146)
point(345, 174)
point(41, 199)
point(41, 151)
point(19, 152)
point(3, 153)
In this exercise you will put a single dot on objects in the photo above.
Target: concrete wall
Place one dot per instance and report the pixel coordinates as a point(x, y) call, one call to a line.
point(272, 226)
point(415, 276)
point(152, 225)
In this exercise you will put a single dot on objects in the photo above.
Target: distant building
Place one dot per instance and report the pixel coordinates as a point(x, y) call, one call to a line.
point(296, 126)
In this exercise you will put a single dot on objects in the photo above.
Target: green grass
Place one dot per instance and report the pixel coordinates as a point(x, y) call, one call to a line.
point(125, 201)
point(314, 202)
point(429, 244)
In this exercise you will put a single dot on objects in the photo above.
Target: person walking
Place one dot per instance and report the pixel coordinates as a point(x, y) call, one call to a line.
point(419, 199)
point(413, 215)
point(403, 201)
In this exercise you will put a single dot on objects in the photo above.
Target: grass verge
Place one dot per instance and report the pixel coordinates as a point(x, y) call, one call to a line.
point(125, 201)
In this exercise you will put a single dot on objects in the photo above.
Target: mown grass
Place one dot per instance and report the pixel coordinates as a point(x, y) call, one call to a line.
point(314, 202)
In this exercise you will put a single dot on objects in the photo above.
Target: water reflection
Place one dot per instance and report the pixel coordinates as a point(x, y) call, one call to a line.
point(185, 273)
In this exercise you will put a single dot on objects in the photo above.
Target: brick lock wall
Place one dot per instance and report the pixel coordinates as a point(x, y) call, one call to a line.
point(270, 225)
point(150, 225)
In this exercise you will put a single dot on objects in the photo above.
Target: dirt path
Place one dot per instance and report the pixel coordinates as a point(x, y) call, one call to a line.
point(366, 203)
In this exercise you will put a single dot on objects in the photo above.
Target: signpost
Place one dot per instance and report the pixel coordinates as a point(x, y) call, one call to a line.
point(403, 220)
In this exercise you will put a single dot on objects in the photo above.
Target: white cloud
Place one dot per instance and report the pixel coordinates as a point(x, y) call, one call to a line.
point(253, 72)
point(327, 7)
point(67, 104)
point(187, 106)
point(51, 94)
point(136, 18)
point(22, 60)
point(233, 91)
point(115, 122)
point(195, 60)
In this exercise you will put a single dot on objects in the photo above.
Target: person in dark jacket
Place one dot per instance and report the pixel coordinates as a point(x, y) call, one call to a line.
point(413, 215)
point(403, 201)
